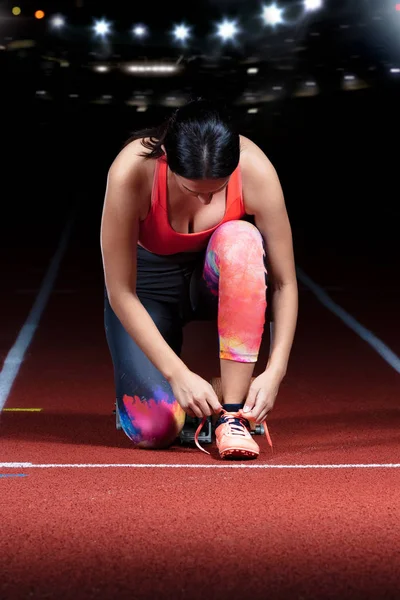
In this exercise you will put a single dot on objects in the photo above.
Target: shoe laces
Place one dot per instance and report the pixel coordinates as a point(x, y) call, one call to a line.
point(236, 424)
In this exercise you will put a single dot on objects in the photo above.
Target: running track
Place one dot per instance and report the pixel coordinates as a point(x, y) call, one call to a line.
point(317, 519)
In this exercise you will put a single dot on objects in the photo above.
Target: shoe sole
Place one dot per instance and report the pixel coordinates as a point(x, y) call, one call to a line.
point(238, 453)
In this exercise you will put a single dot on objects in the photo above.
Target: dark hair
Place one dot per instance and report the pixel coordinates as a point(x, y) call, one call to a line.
point(200, 142)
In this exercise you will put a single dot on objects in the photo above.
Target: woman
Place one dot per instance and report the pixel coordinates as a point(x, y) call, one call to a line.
point(175, 248)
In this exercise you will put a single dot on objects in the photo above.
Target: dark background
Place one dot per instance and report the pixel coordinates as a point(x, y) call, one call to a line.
point(336, 152)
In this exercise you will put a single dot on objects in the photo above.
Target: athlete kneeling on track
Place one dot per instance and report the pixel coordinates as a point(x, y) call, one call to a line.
point(177, 247)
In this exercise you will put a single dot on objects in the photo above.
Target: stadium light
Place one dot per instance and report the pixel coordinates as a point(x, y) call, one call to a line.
point(139, 30)
point(312, 4)
point(101, 68)
point(57, 21)
point(101, 27)
point(181, 32)
point(154, 68)
point(272, 15)
point(227, 30)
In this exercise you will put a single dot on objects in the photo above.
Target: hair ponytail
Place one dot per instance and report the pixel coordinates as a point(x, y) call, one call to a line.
point(152, 138)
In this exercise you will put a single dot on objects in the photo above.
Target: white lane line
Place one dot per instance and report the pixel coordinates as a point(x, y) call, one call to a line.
point(16, 355)
point(27, 465)
point(380, 347)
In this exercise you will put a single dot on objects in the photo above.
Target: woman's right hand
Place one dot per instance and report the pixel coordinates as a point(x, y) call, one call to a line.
point(194, 394)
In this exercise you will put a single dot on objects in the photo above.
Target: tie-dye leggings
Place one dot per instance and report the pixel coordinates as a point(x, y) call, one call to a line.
point(228, 282)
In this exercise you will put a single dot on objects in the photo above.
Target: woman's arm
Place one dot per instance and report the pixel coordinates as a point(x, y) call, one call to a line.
point(123, 207)
point(264, 199)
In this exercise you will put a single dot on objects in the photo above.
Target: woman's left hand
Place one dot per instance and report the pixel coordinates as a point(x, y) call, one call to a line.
point(262, 395)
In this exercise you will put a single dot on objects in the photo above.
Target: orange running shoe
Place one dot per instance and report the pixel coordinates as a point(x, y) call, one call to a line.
point(233, 436)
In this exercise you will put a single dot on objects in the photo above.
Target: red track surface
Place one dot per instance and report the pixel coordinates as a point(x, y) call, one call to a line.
point(193, 532)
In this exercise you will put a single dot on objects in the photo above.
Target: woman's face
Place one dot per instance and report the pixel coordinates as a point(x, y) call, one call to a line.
point(202, 189)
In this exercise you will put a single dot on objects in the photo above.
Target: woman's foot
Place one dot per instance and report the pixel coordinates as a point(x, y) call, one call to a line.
point(233, 437)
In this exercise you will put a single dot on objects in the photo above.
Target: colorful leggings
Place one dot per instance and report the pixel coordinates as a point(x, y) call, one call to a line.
point(228, 283)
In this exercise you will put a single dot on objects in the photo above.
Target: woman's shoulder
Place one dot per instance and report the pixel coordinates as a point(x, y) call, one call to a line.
point(253, 159)
point(131, 163)
point(132, 167)
point(132, 171)
point(250, 151)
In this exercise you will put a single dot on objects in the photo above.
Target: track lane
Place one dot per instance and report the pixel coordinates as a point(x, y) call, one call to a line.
point(87, 534)
point(324, 407)
point(160, 531)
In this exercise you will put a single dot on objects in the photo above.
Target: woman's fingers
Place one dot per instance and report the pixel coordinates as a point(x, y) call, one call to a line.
point(195, 395)
point(197, 410)
point(213, 401)
point(204, 407)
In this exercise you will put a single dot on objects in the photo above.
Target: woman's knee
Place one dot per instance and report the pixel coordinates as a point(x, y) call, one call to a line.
point(238, 238)
point(232, 228)
point(236, 243)
point(152, 423)
point(149, 414)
